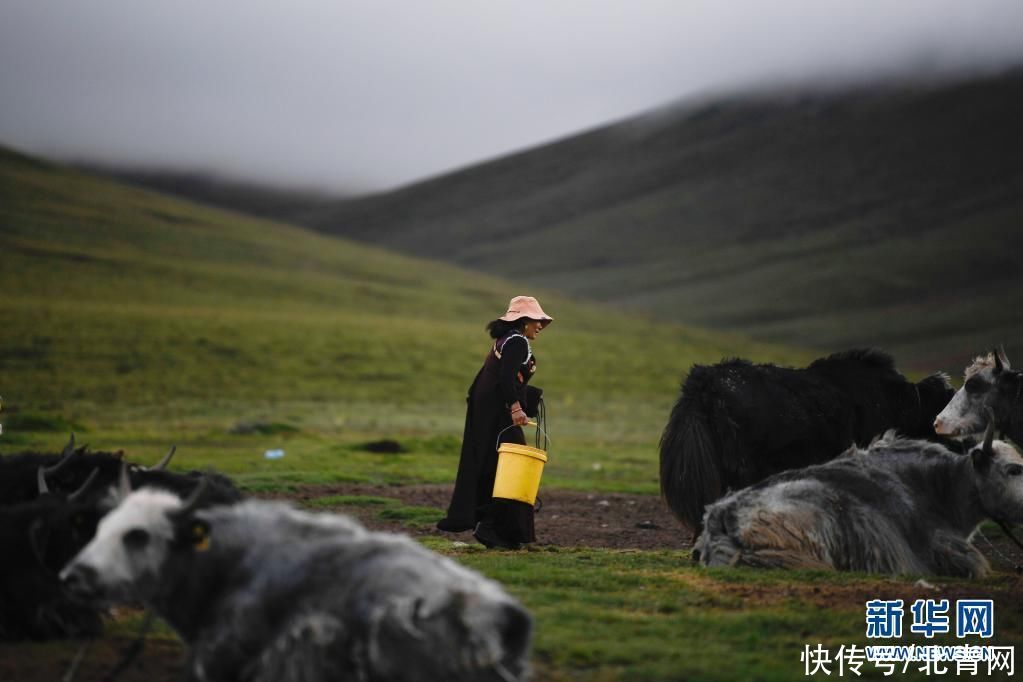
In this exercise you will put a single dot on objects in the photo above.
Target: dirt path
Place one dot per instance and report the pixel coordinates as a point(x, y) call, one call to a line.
point(162, 660)
point(568, 518)
point(571, 518)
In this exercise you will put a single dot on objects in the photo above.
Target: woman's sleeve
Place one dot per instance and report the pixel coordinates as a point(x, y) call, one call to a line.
point(512, 356)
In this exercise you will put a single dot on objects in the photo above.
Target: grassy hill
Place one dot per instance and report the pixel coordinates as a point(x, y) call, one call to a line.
point(261, 199)
point(148, 320)
point(885, 215)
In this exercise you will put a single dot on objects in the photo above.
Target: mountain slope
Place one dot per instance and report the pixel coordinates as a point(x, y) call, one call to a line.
point(260, 199)
point(117, 300)
point(883, 216)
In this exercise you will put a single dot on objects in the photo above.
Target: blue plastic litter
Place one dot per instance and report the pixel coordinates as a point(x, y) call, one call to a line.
point(273, 454)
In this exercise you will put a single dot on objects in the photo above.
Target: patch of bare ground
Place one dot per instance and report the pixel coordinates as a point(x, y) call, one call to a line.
point(828, 596)
point(567, 518)
point(162, 660)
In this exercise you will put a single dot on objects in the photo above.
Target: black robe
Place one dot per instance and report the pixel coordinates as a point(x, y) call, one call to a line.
point(501, 381)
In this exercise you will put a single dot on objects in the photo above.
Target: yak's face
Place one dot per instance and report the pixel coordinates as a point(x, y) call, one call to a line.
point(999, 472)
point(965, 414)
point(123, 560)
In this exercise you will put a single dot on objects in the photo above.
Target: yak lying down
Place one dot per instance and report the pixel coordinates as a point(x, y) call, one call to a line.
point(262, 592)
point(901, 506)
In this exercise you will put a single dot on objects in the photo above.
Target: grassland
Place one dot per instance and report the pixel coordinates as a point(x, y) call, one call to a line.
point(139, 321)
point(144, 320)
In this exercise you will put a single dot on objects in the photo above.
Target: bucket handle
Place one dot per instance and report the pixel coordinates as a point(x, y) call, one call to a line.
point(546, 438)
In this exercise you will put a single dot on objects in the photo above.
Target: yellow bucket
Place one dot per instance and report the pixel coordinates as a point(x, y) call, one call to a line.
point(519, 468)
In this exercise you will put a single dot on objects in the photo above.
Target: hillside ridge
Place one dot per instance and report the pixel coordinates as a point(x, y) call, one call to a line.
point(809, 218)
point(879, 215)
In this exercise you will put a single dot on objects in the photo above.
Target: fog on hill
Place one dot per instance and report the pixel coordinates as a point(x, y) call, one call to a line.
point(884, 216)
point(341, 96)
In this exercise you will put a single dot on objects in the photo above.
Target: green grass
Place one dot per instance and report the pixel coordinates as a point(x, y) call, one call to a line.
point(139, 322)
point(38, 422)
point(386, 509)
point(335, 501)
point(654, 616)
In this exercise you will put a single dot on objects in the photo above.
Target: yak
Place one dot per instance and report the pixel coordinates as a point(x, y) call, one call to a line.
point(735, 423)
point(902, 506)
point(989, 383)
point(65, 471)
point(69, 470)
point(260, 591)
point(42, 528)
point(36, 539)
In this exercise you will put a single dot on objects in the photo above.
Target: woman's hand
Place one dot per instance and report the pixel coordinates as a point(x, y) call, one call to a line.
point(518, 415)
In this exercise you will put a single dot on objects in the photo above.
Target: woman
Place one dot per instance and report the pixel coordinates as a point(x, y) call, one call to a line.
point(497, 407)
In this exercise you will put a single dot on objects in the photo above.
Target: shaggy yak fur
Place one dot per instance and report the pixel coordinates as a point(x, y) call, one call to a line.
point(900, 507)
point(36, 539)
point(260, 591)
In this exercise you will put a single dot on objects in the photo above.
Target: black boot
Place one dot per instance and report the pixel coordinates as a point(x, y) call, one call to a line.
point(488, 537)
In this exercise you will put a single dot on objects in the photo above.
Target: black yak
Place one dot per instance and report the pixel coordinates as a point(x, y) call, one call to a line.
point(42, 527)
point(735, 423)
point(64, 472)
point(260, 591)
point(36, 539)
point(69, 470)
point(901, 507)
point(989, 383)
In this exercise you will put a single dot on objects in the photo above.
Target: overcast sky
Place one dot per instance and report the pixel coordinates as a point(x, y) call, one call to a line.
point(338, 95)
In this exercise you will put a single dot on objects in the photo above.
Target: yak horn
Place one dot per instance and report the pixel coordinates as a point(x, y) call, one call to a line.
point(125, 481)
point(193, 501)
point(162, 464)
point(1001, 359)
point(41, 480)
point(78, 494)
point(65, 457)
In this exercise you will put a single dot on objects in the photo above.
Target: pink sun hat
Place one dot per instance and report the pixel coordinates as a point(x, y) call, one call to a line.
point(526, 306)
